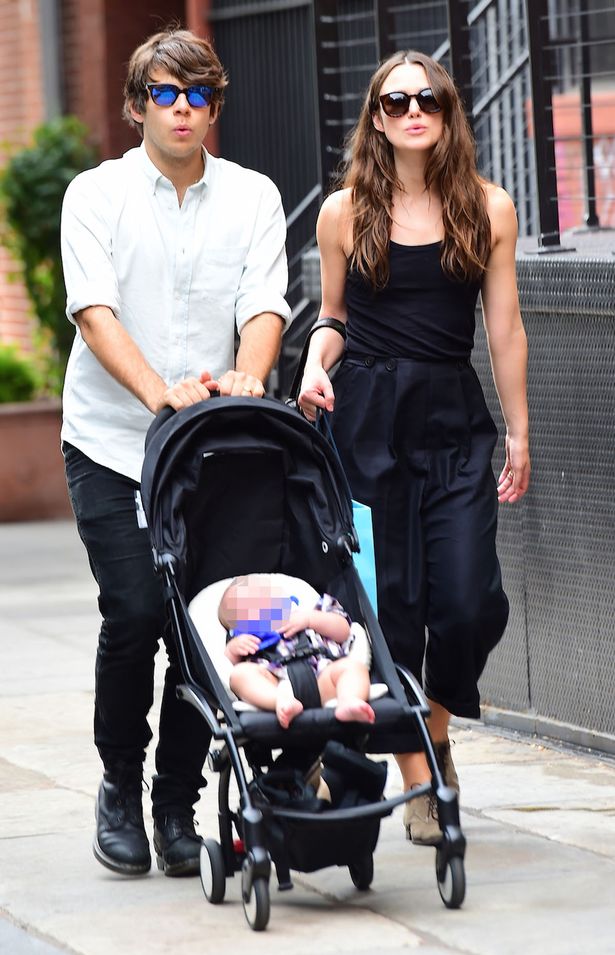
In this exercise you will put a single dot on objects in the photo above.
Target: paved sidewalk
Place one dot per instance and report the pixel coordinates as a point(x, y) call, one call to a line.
point(539, 820)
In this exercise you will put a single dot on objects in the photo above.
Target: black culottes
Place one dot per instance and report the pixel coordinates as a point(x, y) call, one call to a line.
point(416, 440)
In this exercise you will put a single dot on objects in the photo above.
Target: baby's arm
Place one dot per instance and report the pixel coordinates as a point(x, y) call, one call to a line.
point(242, 646)
point(332, 622)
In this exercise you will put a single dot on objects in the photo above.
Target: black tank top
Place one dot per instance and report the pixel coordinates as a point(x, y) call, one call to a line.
point(422, 313)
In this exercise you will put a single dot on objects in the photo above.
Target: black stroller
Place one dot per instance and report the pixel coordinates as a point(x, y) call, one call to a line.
point(253, 476)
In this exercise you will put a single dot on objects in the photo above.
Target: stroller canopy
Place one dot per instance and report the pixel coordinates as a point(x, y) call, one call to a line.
point(233, 486)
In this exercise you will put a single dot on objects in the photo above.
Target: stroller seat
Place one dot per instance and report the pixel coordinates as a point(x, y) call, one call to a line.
point(203, 610)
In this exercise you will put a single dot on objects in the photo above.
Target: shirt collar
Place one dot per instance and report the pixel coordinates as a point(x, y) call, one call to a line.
point(154, 175)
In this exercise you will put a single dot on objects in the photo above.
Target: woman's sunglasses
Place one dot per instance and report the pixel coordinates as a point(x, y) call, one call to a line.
point(165, 94)
point(398, 104)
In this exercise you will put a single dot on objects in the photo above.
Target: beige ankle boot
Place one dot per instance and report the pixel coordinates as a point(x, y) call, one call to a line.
point(447, 767)
point(421, 820)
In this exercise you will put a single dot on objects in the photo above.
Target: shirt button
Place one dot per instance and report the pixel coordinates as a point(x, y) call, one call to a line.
point(391, 364)
point(369, 361)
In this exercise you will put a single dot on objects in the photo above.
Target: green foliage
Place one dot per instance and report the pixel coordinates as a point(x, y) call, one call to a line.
point(32, 186)
point(18, 379)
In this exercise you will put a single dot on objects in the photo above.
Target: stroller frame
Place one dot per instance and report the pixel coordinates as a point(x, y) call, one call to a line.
point(243, 835)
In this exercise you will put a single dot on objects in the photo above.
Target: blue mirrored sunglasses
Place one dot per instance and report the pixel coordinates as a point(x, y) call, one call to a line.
point(165, 94)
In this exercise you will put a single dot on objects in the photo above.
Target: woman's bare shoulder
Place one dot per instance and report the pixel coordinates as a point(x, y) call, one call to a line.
point(499, 203)
point(337, 204)
point(334, 219)
point(501, 211)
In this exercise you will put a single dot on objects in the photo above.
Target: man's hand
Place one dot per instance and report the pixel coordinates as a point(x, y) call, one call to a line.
point(188, 392)
point(240, 383)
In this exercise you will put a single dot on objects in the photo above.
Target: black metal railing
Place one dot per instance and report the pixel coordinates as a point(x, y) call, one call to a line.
point(519, 65)
point(537, 78)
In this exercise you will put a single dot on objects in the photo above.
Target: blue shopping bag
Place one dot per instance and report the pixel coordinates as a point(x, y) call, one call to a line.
point(365, 561)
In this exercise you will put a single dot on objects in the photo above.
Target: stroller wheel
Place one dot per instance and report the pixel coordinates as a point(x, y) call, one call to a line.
point(362, 873)
point(213, 872)
point(256, 905)
point(451, 881)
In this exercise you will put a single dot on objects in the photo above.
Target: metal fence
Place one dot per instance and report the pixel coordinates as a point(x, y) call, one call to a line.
point(554, 672)
point(537, 78)
point(270, 119)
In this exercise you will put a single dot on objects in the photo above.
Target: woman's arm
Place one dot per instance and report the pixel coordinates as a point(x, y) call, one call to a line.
point(507, 343)
point(326, 345)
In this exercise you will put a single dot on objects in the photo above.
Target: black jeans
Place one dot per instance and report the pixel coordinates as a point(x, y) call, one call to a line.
point(134, 619)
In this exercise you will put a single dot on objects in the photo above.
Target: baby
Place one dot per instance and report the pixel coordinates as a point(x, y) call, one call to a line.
point(260, 614)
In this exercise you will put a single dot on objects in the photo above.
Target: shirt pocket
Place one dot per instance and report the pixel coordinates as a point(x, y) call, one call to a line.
point(217, 275)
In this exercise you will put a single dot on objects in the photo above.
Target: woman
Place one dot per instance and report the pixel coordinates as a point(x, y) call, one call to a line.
point(406, 245)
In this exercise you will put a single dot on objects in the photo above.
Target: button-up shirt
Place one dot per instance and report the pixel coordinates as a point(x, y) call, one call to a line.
point(180, 279)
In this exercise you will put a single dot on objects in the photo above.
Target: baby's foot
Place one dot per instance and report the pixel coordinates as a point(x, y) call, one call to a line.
point(287, 709)
point(357, 711)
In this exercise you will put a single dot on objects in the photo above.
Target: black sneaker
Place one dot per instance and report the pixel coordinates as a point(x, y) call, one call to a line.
point(120, 842)
point(177, 846)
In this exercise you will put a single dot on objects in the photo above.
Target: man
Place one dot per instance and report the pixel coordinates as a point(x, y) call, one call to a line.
point(167, 252)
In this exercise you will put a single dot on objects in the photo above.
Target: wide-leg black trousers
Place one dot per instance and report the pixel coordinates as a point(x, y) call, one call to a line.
point(133, 621)
point(416, 440)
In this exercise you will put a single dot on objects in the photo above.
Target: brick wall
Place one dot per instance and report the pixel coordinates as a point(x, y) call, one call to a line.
point(95, 68)
point(82, 28)
point(97, 38)
point(21, 109)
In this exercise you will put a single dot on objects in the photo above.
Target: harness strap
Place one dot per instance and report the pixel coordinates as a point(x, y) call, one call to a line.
point(304, 683)
point(300, 672)
point(302, 650)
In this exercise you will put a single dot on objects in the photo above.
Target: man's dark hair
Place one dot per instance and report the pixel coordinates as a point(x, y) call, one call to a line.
point(183, 54)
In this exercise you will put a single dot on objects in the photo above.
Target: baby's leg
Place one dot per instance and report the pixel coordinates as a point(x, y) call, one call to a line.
point(348, 680)
point(287, 706)
point(255, 684)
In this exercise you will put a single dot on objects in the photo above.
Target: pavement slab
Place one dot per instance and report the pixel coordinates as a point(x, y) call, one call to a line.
point(539, 820)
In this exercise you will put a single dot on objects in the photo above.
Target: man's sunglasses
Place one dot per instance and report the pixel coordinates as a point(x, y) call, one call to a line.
point(398, 104)
point(165, 94)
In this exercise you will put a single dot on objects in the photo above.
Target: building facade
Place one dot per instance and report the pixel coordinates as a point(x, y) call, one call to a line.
point(70, 56)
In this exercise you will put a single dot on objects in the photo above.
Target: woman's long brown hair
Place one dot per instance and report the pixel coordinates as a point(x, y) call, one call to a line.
point(451, 170)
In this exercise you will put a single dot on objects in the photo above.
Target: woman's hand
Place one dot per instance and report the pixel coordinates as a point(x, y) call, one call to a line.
point(241, 646)
point(514, 479)
point(316, 392)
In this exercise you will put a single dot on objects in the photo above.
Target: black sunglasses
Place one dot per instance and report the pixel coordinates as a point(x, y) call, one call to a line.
point(165, 94)
point(398, 104)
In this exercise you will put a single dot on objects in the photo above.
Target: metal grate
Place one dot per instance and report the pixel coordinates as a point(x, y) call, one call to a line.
point(556, 547)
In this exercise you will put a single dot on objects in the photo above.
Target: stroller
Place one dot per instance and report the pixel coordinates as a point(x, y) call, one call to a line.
point(255, 479)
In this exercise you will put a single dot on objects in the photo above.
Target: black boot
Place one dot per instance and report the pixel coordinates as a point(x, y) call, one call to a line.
point(177, 846)
point(120, 843)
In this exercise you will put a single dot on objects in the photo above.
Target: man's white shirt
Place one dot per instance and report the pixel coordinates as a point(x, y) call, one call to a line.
point(179, 279)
